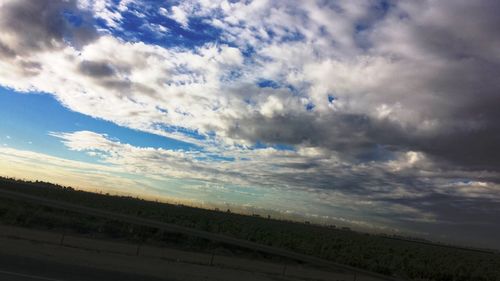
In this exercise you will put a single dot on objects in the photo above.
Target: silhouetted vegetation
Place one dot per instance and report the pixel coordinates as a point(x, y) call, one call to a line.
point(396, 257)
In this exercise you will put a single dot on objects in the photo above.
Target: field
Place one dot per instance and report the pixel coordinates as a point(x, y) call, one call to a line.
point(394, 257)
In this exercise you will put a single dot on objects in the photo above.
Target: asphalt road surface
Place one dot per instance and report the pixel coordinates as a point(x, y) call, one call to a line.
point(16, 268)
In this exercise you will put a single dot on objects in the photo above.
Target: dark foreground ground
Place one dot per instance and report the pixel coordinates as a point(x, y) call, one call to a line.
point(417, 260)
point(15, 268)
point(27, 254)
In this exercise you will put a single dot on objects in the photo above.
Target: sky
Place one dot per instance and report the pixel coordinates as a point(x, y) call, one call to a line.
point(380, 115)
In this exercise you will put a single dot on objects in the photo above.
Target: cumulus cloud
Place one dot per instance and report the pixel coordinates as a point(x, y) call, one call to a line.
point(40, 25)
point(180, 16)
point(377, 82)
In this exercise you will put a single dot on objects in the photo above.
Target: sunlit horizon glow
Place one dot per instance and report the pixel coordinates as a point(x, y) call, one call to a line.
point(375, 114)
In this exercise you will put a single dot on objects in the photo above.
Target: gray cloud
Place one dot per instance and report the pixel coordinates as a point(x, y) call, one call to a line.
point(5, 51)
point(42, 25)
point(96, 69)
point(456, 218)
point(463, 92)
point(443, 71)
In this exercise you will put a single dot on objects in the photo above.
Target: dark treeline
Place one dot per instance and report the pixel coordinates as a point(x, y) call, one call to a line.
point(396, 257)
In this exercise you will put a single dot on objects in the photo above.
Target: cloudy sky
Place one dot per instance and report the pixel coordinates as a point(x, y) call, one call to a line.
point(379, 115)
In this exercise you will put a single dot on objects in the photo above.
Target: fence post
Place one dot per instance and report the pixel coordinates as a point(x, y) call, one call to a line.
point(61, 242)
point(212, 257)
point(284, 269)
point(137, 250)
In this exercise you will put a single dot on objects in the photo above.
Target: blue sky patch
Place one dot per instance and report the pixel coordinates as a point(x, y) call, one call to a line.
point(264, 83)
point(29, 118)
point(331, 98)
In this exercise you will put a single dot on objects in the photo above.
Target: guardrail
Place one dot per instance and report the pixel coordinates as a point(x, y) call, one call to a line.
point(193, 232)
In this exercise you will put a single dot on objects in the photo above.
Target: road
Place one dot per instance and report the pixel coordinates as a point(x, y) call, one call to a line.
point(16, 268)
point(28, 260)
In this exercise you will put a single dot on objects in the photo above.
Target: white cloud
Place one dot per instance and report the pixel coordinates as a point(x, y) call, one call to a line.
point(180, 16)
point(197, 89)
point(104, 9)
